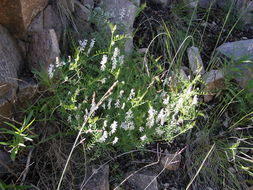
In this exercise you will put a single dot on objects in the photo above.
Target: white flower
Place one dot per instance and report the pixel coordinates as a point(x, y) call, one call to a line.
point(109, 103)
point(123, 106)
point(69, 119)
point(124, 125)
point(105, 124)
point(121, 93)
point(129, 115)
point(51, 70)
point(115, 140)
point(159, 131)
point(114, 127)
point(117, 104)
point(103, 80)
point(114, 58)
point(161, 118)
point(131, 95)
point(151, 117)
point(166, 101)
point(104, 136)
point(121, 60)
point(141, 129)
point(143, 138)
point(92, 43)
point(103, 106)
point(103, 62)
point(195, 100)
point(83, 44)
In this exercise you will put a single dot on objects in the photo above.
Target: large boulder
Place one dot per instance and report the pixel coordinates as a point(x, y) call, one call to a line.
point(43, 50)
point(122, 13)
point(237, 50)
point(17, 15)
point(10, 62)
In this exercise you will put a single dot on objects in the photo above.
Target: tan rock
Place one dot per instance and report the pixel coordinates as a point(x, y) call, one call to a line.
point(171, 161)
point(43, 50)
point(214, 81)
point(27, 88)
point(250, 188)
point(16, 15)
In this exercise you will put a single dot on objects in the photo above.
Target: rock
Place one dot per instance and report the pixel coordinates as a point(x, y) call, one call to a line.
point(16, 15)
point(122, 13)
point(82, 16)
point(171, 161)
point(51, 20)
point(5, 160)
point(250, 188)
point(195, 61)
point(237, 50)
point(36, 24)
point(27, 88)
point(6, 109)
point(10, 62)
point(214, 80)
point(43, 50)
point(100, 181)
point(163, 3)
point(141, 181)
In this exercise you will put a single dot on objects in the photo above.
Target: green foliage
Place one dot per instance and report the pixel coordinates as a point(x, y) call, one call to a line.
point(4, 186)
point(142, 108)
point(19, 135)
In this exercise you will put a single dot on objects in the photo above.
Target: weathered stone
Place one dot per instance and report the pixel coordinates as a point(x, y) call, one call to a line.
point(237, 50)
point(6, 109)
point(16, 15)
point(250, 188)
point(171, 161)
point(37, 23)
point(27, 88)
point(141, 181)
point(122, 13)
point(10, 62)
point(100, 181)
point(214, 80)
point(195, 61)
point(51, 20)
point(5, 161)
point(82, 15)
point(43, 50)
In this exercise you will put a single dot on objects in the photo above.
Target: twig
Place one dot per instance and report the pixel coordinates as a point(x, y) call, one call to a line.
point(106, 95)
point(25, 172)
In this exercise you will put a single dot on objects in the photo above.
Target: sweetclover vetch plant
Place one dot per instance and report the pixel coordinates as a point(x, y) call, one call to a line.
point(142, 108)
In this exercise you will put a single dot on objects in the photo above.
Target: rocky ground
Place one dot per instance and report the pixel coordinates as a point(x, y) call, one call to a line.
point(160, 165)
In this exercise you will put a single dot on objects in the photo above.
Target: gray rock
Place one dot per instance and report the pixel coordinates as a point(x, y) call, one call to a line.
point(141, 181)
point(51, 20)
point(10, 62)
point(100, 181)
point(122, 13)
point(82, 17)
point(195, 61)
point(27, 88)
point(43, 50)
point(237, 50)
point(5, 160)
